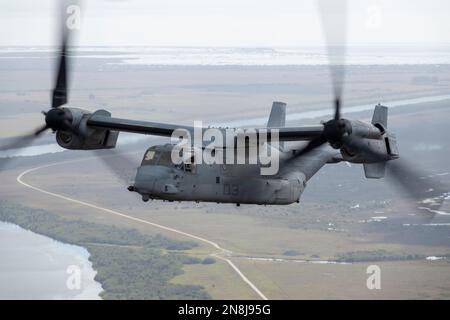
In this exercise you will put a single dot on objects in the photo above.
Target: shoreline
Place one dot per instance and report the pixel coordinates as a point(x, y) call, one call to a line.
point(108, 247)
point(19, 268)
point(413, 54)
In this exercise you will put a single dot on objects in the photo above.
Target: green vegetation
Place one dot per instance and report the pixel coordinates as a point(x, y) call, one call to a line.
point(291, 253)
point(129, 264)
point(141, 273)
point(377, 255)
point(209, 260)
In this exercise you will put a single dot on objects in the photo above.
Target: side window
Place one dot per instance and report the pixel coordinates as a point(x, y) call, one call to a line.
point(150, 157)
point(165, 159)
point(190, 167)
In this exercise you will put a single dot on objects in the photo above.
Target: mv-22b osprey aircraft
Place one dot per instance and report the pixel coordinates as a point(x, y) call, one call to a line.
point(354, 141)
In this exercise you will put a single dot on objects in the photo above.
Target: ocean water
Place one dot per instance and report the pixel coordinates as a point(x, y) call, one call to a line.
point(221, 56)
point(33, 266)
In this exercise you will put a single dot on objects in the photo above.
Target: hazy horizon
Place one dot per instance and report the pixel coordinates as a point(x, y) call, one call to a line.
point(230, 23)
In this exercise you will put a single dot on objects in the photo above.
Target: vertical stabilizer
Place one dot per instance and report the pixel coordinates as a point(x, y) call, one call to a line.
point(277, 118)
point(375, 170)
point(378, 169)
point(380, 115)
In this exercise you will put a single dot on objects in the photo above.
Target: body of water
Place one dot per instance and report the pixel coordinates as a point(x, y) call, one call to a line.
point(223, 56)
point(33, 266)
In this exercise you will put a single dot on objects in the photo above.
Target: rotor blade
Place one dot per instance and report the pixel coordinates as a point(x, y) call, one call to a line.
point(60, 90)
point(337, 108)
point(313, 144)
point(334, 23)
point(23, 141)
point(423, 188)
point(40, 130)
point(59, 94)
point(121, 164)
point(19, 143)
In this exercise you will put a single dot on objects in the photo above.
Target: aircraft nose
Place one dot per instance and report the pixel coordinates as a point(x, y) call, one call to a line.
point(150, 178)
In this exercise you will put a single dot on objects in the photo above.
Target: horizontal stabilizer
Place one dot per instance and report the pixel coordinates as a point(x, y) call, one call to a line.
point(375, 170)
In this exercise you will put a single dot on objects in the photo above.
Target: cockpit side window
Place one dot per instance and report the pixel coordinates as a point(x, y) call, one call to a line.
point(162, 156)
point(166, 159)
point(150, 157)
point(189, 166)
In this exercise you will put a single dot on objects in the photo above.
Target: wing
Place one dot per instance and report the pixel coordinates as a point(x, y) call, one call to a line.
point(166, 130)
point(134, 126)
point(303, 133)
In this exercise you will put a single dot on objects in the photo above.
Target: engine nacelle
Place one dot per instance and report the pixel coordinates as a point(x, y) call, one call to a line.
point(84, 137)
point(373, 139)
point(366, 130)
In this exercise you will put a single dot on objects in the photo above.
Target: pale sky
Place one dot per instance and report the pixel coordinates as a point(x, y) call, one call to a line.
point(242, 23)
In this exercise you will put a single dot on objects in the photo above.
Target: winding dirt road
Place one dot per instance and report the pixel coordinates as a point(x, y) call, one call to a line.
point(221, 253)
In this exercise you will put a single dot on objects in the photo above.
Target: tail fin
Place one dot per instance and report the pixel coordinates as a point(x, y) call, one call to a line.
point(378, 169)
point(375, 170)
point(380, 115)
point(277, 118)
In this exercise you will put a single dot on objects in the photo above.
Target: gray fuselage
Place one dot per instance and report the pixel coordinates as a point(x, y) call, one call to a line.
point(159, 178)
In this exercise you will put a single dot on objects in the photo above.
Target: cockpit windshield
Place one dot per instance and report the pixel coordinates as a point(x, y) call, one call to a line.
point(158, 156)
point(150, 157)
point(165, 159)
point(162, 156)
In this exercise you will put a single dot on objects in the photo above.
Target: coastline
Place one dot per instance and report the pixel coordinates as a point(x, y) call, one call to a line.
point(125, 263)
point(38, 262)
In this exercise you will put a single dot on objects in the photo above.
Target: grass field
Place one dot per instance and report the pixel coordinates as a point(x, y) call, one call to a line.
point(399, 280)
point(246, 235)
